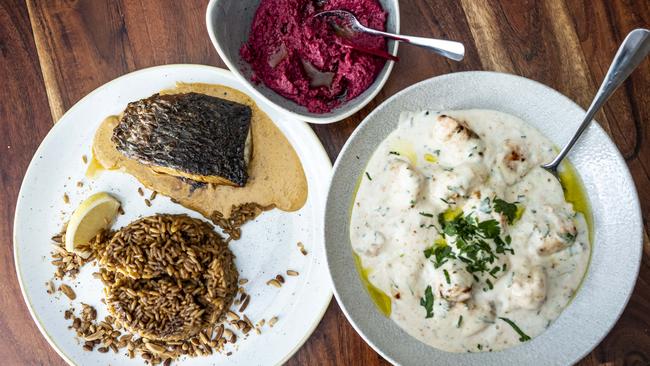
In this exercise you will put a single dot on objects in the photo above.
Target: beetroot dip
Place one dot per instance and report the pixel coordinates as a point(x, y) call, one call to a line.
point(302, 59)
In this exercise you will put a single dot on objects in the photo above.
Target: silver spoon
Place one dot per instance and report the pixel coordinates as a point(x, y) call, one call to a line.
point(351, 25)
point(630, 54)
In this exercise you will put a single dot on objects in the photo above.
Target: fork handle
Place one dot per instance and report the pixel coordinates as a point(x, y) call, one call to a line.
point(449, 49)
point(630, 54)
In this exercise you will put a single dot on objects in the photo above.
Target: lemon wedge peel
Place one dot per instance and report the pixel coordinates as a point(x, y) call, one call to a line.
point(94, 214)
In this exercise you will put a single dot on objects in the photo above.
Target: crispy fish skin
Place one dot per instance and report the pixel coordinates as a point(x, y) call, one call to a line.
point(191, 135)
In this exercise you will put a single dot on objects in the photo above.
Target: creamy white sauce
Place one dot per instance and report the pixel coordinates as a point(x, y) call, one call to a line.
point(437, 163)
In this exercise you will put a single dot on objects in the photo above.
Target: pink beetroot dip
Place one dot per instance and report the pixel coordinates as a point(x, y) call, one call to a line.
point(301, 58)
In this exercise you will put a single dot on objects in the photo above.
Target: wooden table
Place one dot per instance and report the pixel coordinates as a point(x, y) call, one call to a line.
point(52, 53)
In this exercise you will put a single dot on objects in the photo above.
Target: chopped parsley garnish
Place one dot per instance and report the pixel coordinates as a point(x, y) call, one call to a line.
point(437, 152)
point(447, 276)
point(479, 346)
point(394, 153)
point(426, 214)
point(460, 321)
point(427, 302)
point(368, 175)
point(471, 241)
point(440, 254)
point(568, 237)
point(429, 252)
point(523, 337)
point(494, 271)
point(490, 228)
point(489, 283)
point(509, 210)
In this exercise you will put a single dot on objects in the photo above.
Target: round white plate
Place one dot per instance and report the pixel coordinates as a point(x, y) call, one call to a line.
point(267, 247)
point(617, 245)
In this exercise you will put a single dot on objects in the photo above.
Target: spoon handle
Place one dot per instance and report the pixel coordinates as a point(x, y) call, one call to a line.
point(630, 54)
point(449, 49)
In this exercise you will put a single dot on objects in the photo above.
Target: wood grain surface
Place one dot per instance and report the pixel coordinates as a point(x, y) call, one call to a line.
point(52, 53)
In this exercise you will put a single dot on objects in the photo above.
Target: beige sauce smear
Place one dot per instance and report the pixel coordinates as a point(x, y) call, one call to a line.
point(275, 173)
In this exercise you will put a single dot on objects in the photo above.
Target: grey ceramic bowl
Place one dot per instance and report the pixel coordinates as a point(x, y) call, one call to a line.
point(617, 242)
point(229, 22)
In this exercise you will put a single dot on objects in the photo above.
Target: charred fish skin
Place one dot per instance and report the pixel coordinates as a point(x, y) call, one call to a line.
point(190, 135)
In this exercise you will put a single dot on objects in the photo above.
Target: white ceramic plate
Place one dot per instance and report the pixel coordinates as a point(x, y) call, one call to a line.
point(617, 245)
point(267, 246)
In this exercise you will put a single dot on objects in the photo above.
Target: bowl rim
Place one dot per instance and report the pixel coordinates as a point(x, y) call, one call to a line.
point(331, 196)
point(330, 117)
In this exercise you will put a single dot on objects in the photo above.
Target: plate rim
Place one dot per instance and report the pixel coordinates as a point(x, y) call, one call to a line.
point(318, 150)
point(339, 161)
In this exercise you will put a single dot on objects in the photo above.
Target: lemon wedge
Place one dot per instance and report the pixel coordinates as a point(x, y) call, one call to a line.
point(94, 214)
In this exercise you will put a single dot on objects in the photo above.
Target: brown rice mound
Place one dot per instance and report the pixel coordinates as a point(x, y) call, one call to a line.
point(167, 277)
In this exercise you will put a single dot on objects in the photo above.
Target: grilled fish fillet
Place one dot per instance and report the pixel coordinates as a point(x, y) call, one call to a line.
point(192, 135)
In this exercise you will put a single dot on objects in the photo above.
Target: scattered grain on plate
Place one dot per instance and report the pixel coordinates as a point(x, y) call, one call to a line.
point(227, 334)
point(67, 291)
point(291, 272)
point(272, 321)
point(153, 195)
point(66, 199)
point(243, 281)
point(273, 282)
point(147, 202)
point(279, 278)
point(140, 284)
point(302, 249)
point(248, 321)
point(261, 322)
point(84, 158)
point(50, 287)
point(240, 324)
point(238, 216)
point(80, 184)
point(244, 304)
point(231, 315)
point(140, 191)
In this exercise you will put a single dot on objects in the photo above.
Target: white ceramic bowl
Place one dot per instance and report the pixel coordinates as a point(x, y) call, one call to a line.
point(617, 245)
point(229, 23)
